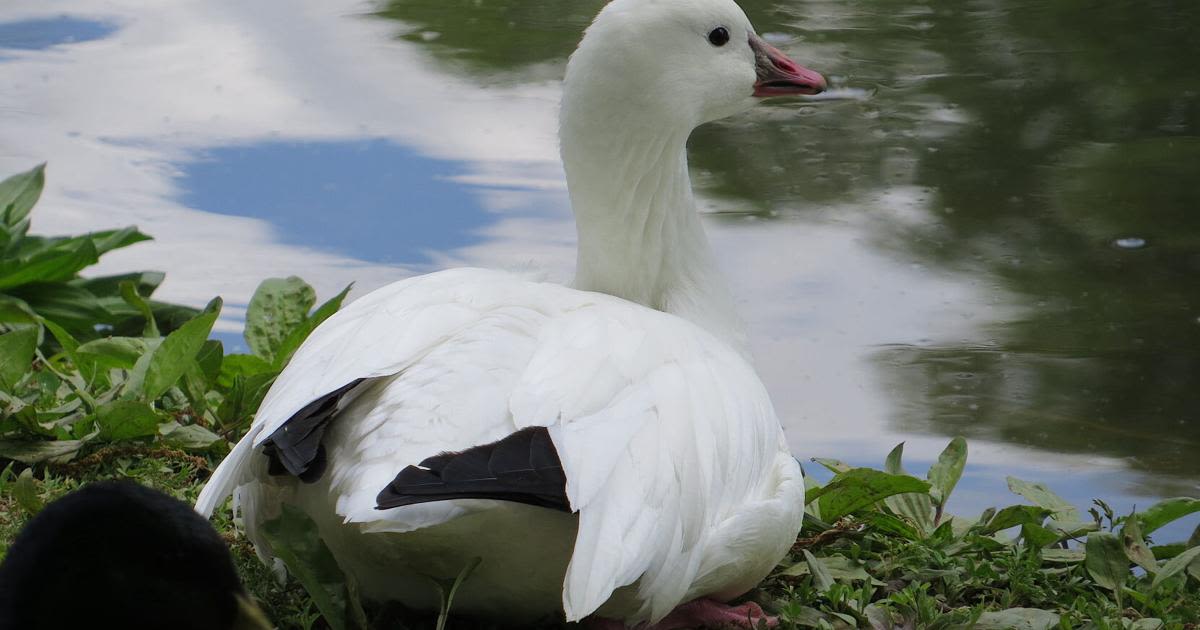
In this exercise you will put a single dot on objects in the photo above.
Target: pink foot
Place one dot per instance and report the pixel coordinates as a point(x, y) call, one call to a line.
point(700, 613)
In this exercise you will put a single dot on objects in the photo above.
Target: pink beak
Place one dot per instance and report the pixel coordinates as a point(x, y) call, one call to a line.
point(780, 76)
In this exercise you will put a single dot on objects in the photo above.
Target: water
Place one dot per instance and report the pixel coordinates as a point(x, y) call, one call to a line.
point(991, 232)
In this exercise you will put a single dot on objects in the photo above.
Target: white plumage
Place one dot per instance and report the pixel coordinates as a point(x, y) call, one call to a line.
point(677, 470)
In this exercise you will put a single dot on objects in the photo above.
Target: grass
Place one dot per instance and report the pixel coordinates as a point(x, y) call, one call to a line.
point(97, 381)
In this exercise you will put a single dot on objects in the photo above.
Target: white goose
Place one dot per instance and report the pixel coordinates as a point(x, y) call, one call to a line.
point(617, 455)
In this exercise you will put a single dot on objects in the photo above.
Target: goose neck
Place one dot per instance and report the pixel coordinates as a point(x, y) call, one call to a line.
point(640, 237)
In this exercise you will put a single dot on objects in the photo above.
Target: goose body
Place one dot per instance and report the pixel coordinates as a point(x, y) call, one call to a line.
point(633, 387)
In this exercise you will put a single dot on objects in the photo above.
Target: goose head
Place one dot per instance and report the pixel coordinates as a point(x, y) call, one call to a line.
point(684, 62)
point(647, 73)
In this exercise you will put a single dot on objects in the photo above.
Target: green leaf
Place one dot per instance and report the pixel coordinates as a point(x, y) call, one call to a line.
point(26, 493)
point(109, 240)
point(130, 295)
point(53, 265)
point(1106, 562)
point(1166, 511)
point(295, 539)
point(1175, 566)
point(821, 578)
point(859, 488)
point(292, 342)
point(126, 420)
point(16, 355)
point(837, 566)
point(1017, 619)
point(892, 464)
point(1166, 552)
point(1064, 556)
point(278, 306)
point(16, 311)
point(892, 525)
point(35, 452)
point(192, 437)
point(448, 596)
point(19, 193)
point(834, 466)
point(917, 508)
point(1135, 546)
point(1037, 536)
point(114, 352)
point(1015, 515)
point(1038, 494)
point(171, 359)
point(945, 473)
point(146, 282)
point(233, 365)
point(210, 358)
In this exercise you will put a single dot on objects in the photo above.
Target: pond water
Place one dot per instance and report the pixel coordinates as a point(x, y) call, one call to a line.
point(993, 230)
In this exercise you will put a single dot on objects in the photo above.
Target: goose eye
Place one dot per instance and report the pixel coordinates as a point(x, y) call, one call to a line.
point(718, 36)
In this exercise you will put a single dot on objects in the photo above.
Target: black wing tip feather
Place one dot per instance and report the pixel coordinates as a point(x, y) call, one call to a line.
point(522, 467)
point(295, 448)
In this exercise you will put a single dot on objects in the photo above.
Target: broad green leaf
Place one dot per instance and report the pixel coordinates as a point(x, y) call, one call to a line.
point(114, 352)
point(859, 488)
point(807, 616)
point(54, 265)
point(173, 356)
point(892, 525)
point(1166, 552)
point(1106, 562)
point(64, 338)
point(295, 540)
point(1017, 619)
point(69, 346)
point(146, 282)
point(917, 508)
point(26, 494)
point(1135, 546)
point(1065, 556)
point(1175, 566)
point(893, 464)
point(16, 355)
point(109, 240)
point(19, 193)
point(16, 311)
point(1166, 511)
point(245, 365)
point(821, 578)
point(1039, 494)
point(1071, 529)
point(130, 295)
point(278, 306)
point(835, 466)
point(38, 451)
point(292, 342)
point(1015, 515)
point(192, 437)
point(210, 358)
point(1037, 536)
point(126, 420)
point(74, 308)
point(1194, 539)
point(838, 567)
point(945, 473)
point(1148, 623)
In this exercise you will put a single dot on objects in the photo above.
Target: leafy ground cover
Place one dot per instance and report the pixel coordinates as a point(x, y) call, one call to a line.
point(99, 381)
